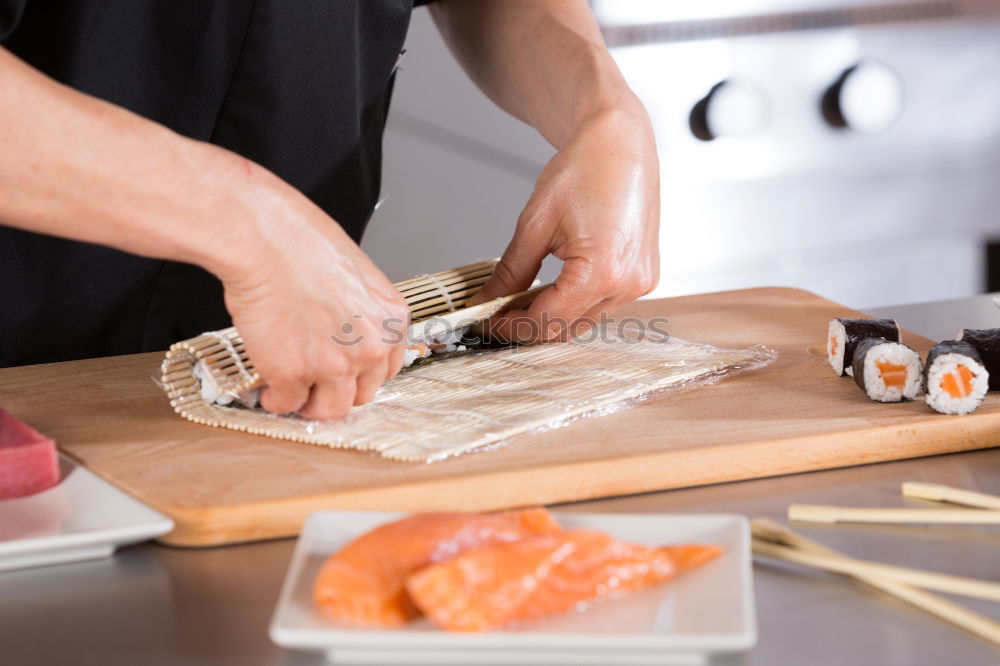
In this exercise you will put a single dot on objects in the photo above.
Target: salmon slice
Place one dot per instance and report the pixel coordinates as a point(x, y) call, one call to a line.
point(893, 374)
point(506, 582)
point(363, 584)
point(958, 383)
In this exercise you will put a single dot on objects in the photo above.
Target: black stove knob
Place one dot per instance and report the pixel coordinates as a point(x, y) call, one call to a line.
point(731, 108)
point(867, 98)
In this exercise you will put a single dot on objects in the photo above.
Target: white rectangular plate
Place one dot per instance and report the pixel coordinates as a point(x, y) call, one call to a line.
point(82, 518)
point(708, 610)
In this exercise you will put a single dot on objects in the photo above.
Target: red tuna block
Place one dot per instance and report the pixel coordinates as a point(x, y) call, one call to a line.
point(28, 459)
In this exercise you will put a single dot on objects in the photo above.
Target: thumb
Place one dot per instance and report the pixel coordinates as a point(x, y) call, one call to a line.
point(518, 266)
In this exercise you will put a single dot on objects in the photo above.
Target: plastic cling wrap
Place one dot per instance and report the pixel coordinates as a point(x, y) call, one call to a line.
point(462, 402)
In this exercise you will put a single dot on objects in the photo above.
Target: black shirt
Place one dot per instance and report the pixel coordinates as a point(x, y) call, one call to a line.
point(300, 86)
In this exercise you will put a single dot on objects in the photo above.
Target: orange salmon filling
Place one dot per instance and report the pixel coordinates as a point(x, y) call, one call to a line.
point(833, 345)
point(958, 382)
point(893, 375)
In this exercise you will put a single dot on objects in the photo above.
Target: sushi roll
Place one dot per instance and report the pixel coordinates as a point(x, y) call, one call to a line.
point(845, 334)
point(415, 351)
point(955, 379)
point(887, 371)
point(444, 343)
point(987, 344)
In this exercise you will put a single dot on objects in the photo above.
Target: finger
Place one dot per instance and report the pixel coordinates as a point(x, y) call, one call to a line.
point(284, 396)
point(330, 399)
point(532, 325)
point(520, 262)
point(395, 363)
point(588, 320)
point(591, 318)
point(580, 295)
point(523, 326)
point(369, 382)
point(514, 326)
point(577, 290)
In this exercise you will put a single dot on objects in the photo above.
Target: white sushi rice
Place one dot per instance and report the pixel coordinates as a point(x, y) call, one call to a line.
point(896, 354)
point(413, 353)
point(835, 341)
point(432, 345)
point(942, 401)
point(211, 392)
point(450, 339)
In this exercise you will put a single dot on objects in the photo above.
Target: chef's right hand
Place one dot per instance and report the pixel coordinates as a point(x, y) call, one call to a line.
point(323, 325)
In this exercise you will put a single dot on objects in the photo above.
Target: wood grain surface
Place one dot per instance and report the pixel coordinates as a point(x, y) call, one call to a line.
point(223, 487)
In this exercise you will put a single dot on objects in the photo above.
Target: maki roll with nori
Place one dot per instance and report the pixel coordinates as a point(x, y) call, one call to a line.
point(955, 379)
point(987, 344)
point(845, 334)
point(887, 371)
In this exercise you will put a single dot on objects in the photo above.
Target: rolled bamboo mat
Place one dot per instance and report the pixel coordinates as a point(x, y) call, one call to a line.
point(218, 361)
point(446, 291)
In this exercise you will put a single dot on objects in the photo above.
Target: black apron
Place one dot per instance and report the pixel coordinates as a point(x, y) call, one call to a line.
point(301, 87)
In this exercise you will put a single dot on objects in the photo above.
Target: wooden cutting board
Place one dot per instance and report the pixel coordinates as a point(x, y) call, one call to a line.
point(222, 487)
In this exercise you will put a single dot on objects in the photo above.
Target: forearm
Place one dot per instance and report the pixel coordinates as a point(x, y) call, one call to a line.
point(77, 167)
point(74, 166)
point(544, 61)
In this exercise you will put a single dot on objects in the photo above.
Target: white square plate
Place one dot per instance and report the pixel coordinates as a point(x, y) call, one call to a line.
point(708, 610)
point(82, 518)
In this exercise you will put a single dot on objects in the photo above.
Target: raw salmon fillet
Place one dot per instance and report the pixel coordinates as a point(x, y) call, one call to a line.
point(28, 459)
point(363, 584)
point(493, 585)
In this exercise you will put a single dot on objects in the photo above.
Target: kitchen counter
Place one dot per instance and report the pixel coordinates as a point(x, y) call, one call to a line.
point(155, 605)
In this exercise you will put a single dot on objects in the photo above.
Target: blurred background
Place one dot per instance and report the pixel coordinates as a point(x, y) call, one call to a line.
point(848, 147)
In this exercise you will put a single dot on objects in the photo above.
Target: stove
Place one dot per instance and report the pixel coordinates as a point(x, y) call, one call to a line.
point(847, 147)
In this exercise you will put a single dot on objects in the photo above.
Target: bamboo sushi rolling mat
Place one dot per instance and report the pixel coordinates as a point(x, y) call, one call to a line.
point(223, 353)
point(449, 406)
point(221, 486)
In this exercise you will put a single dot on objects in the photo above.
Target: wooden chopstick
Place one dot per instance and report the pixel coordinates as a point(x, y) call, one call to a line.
point(815, 513)
point(984, 627)
point(969, 587)
point(941, 493)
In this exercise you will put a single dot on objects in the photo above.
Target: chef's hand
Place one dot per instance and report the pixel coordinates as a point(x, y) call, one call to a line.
point(596, 206)
point(323, 325)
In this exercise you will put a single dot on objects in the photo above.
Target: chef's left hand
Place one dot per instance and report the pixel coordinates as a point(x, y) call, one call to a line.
point(596, 206)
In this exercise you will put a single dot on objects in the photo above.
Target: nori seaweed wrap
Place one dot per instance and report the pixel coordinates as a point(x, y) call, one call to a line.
point(987, 343)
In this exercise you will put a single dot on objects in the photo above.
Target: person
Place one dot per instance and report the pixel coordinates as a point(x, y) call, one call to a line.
point(170, 166)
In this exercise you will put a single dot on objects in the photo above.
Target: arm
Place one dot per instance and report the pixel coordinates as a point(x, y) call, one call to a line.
point(596, 203)
point(77, 167)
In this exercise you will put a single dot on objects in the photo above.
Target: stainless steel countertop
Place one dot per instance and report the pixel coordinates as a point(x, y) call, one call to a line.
point(154, 605)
